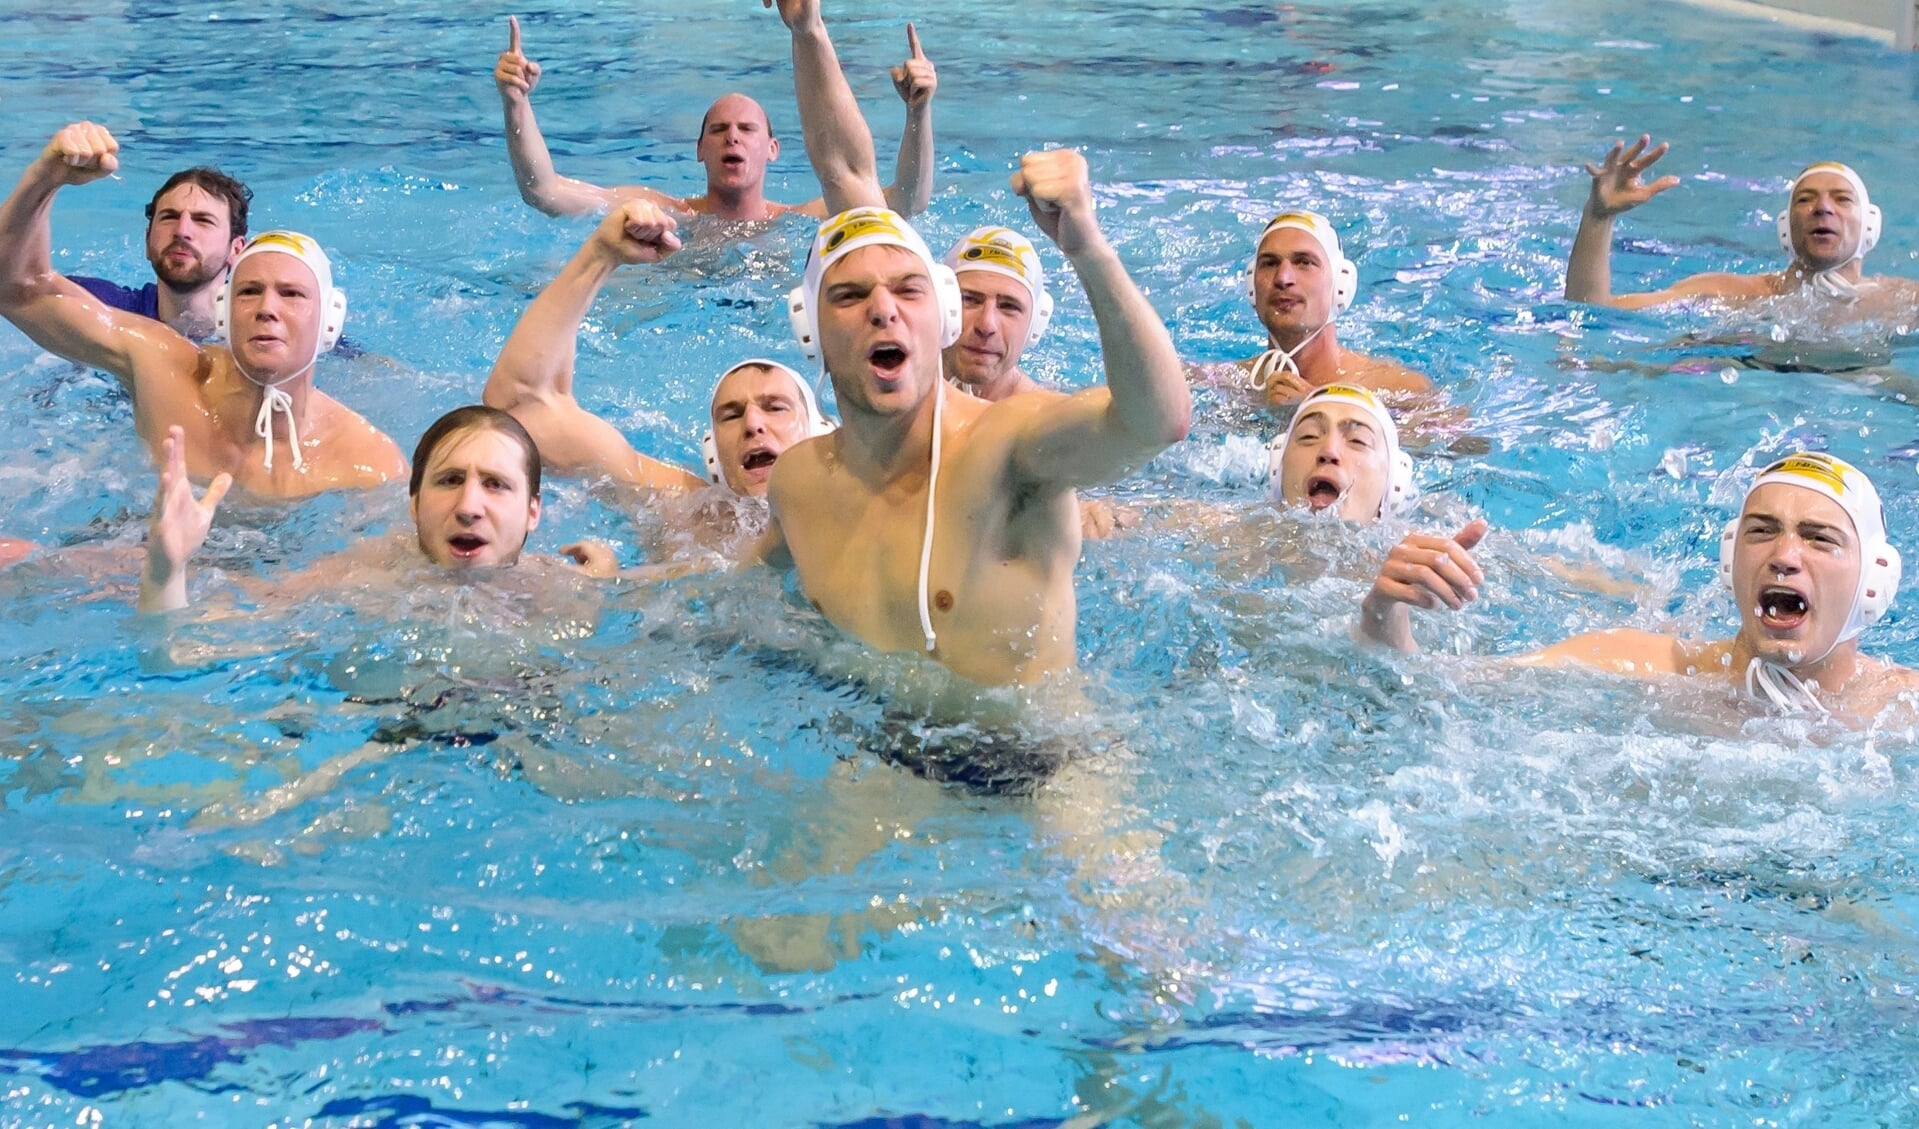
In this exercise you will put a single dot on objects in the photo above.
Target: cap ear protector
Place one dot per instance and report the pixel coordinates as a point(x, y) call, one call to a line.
point(1872, 221)
point(840, 237)
point(1401, 490)
point(816, 421)
point(332, 300)
point(1880, 565)
point(1345, 274)
point(1003, 251)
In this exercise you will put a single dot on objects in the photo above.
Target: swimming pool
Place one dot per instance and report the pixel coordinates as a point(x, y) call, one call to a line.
point(645, 871)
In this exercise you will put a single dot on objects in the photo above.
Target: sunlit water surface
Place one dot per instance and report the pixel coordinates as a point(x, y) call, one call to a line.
point(426, 855)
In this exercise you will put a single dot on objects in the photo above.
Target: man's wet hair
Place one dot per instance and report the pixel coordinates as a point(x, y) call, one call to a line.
point(474, 417)
point(214, 183)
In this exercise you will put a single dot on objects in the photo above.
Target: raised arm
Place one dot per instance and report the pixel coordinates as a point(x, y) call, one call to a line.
point(1616, 188)
point(1099, 434)
point(1424, 571)
point(915, 80)
point(178, 527)
point(838, 142)
point(56, 313)
point(540, 184)
point(533, 378)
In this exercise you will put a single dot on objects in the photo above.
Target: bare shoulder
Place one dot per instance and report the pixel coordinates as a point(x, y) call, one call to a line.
point(365, 453)
point(1381, 374)
point(812, 209)
point(1623, 651)
point(625, 192)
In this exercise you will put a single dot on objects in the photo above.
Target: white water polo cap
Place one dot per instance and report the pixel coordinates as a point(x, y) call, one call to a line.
point(1345, 274)
point(332, 301)
point(1003, 251)
point(848, 232)
point(1872, 221)
point(1400, 489)
point(1847, 485)
point(815, 420)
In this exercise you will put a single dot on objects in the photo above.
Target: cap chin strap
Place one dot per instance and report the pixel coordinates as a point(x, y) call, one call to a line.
point(1780, 686)
point(274, 399)
point(1831, 284)
point(932, 492)
point(1277, 360)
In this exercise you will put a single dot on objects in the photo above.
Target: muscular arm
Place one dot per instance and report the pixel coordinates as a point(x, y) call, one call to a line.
point(1102, 433)
point(533, 377)
point(1616, 187)
point(915, 80)
point(55, 312)
point(1622, 651)
point(541, 185)
point(838, 142)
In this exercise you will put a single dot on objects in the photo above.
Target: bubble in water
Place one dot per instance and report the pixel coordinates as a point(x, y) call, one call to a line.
point(1674, 463)
point(1778, 332)
point(1728, 375)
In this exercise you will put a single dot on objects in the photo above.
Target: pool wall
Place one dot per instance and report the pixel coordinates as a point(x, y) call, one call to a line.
point(1893, 21)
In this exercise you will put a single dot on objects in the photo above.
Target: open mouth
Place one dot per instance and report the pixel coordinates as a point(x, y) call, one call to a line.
point(1322, 492)
point(887, 360)
point(465, 544)
point(1782, 609)
point(733, 160)
point(758, 459)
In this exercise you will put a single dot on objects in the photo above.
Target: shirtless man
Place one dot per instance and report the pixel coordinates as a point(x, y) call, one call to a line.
point(1827, 226)
point(1004, 310)
point(759, 408)
point(249, 409)
point(475, 498)
point(1300, 281)
point(196, 224)
point(1809, 567)
point(736, 143)
point(932, 521)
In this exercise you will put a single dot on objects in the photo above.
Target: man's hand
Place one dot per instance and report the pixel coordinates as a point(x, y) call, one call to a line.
point(83, 152)
point(178, 527)
point(799, 15)
point(594, 558)
point(1616, 184)
point(1427, 571)
point(1060, 197)
point(915, 79)
point(637, 232)
point(515, 73)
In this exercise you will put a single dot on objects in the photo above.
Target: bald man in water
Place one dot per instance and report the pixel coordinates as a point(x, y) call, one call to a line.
point(736, 143)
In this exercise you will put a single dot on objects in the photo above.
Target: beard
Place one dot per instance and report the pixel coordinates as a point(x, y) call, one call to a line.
point(187, 276)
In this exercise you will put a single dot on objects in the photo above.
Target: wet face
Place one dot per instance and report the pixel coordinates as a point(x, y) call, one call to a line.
point(474, 508)
point(1827, 221)
point(757, 415)
point(190, 238)
point(736, 144)
point(276, 315)
point(1795, 568)
point(996, 313)
point(1292, 285)
point(1336, 457)
point(880, 330)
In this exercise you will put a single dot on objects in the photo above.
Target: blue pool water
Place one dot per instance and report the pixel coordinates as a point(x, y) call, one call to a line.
point(583, 873)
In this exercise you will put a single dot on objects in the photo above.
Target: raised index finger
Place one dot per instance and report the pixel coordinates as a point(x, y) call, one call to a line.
point(913, 41)
point(513, 35)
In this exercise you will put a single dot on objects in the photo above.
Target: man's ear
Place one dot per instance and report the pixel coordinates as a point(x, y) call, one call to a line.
point(532, 515)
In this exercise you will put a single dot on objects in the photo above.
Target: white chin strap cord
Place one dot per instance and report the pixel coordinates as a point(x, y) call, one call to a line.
point(1277, 360)
point(1831, 284)
point(274, 399)
point(1780, 686)
point(932, 492)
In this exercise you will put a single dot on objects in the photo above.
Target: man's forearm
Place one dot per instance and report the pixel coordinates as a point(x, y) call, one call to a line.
point(1589, 270)
point(838, 142)
point(538, 357)
point(1149, 389)
point(912, 186)
point(26, 238)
